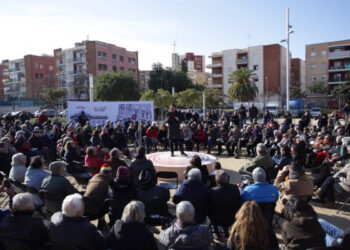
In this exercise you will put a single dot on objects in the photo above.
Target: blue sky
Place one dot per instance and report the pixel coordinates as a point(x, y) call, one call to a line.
point(152, 26)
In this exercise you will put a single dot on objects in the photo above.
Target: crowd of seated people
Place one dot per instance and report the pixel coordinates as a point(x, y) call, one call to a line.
point(41, 161)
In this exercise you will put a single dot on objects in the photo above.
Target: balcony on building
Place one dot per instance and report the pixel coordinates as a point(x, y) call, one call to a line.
point(339, 65)
point(338, 80)
point(242, 58)
point(216, 75)
point(79, 59)
point(215, 55)
point(339, 51)
point(214, 65)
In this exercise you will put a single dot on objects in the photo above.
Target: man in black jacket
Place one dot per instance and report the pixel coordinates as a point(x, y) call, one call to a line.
point(20, 226)
point(253, 113)
point(173, 118)
point(70, 228)
point(223, 195)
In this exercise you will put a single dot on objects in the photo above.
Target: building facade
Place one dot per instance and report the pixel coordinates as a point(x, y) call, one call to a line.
point(143, 80)
point(74, 65)
point(298, 73)
point(328, 62)
point(194, 62)
point(27, 76)
point(267, 61)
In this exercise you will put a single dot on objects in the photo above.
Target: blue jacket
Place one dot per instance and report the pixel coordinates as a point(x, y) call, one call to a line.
point(260, 192)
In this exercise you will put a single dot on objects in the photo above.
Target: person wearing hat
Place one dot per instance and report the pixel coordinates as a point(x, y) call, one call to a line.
point(154, 197)
point(124, 191)
point(35, 140)
point(97, 189)
point(261, 190)
point(298, 184)
point(141, 163)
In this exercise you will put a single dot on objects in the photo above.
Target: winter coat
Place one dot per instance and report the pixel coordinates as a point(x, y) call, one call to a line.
point(25, 228)
point(192, 236)
point(76, 232)
point(131, 235)
point(195, 192)
point(174, 125)
point(303, 232)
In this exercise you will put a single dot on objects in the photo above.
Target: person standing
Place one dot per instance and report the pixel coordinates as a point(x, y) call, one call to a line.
point(253, 113)
point(242, 114)
point(174, 133)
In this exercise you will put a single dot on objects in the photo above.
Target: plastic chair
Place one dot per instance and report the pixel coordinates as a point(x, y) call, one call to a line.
point(168, 175)
point(53, 201)
point(17, 186)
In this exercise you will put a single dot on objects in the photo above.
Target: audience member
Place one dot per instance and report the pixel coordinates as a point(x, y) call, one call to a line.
point(141, 163)
point(35, 174)
point(18, 170)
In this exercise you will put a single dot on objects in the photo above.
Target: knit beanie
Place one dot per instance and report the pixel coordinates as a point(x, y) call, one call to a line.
point(123, 172)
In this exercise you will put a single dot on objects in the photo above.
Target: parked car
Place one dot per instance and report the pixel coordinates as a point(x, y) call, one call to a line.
point(315, 111)
point(16, 114)
point(63, 113)
point(48, 112)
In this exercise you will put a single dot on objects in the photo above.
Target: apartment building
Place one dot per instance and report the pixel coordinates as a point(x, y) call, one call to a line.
point(2, 78)
point(27, 76)
point(73, 65)
point(298, 73)
point(328, 62)
point(194, 62)
point(144, 77)
point(267, 61)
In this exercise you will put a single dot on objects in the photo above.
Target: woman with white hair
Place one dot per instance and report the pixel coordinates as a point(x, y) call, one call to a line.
point(185, 233)
point(18, 170)
point(130, 232)
point(70, 228)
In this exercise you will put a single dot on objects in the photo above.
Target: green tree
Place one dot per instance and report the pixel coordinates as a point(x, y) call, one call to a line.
point(111, 86)
point(166, 79)
point(213, 98)
point(189, 98)
point(296, 92)
point(184, 67)
point(243, 87)
point(342, 91)
point(52, 96)
point(161, 99)
point(318, 88)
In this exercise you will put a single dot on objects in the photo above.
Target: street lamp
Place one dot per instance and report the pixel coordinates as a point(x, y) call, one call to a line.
point(288, 31)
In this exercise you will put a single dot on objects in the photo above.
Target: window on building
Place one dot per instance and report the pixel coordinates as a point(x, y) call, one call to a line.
point(36, 76)
point(114, 57)
point(132, 60)
point(102, 67)
point(256, 57)
point(312, 54)
point(324, 65)
point(41, 66)
point(255, 67)
point(36, 66)
point(101, 55)
point(132, 70)
point(324, 52)
point(313, 66)
point(313, 78)
point(50, 67)
point(324, 78)
point(121, 58)
point(114, 68)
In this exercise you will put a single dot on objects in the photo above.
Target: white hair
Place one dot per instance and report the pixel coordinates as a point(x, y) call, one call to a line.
point(221, 177)
point(194, 174)
point(185, 211)
point(134, 212)
point(72, 205)
point(23, 202)
point(18, 158)
point(261, 149)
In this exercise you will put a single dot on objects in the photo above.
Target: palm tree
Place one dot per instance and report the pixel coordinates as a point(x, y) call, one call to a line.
point(243, 88)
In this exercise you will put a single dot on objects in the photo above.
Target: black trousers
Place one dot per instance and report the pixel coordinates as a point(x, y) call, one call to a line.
point(178, 141)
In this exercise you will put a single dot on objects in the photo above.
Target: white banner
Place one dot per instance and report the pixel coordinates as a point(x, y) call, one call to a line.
point(100, 112)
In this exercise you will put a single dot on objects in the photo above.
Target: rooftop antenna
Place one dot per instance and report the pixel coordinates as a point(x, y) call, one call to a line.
point(249, 38)
point(174, 44)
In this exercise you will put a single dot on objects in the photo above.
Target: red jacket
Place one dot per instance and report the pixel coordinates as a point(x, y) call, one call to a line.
point(152, 133)
point(95, 162)
point(199, 134)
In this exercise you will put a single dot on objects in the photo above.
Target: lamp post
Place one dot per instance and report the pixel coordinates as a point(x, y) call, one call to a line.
point(288, 31)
